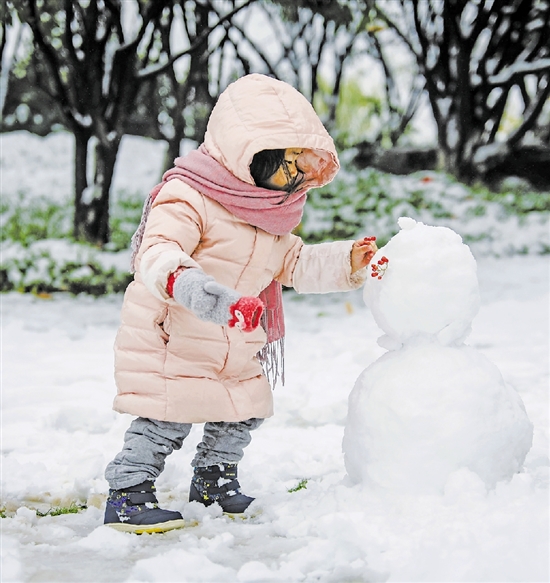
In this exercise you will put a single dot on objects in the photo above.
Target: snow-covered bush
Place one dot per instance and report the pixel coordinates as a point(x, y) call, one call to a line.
point(62, 265)
point(38, 253)
point(28, 219)
point(369, 202)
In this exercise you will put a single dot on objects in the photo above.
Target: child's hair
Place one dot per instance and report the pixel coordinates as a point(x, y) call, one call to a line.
point(265, 163)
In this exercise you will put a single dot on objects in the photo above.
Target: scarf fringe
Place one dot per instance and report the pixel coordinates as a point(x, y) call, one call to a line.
point(272, 359)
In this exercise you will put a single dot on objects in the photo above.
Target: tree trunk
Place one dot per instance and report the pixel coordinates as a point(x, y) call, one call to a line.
point(456, 134)
point(80, 181)
point(173, 149)
point(198, 79)
point(91, 221)
point(174, 143)
point(452, 158)
point(193, 90)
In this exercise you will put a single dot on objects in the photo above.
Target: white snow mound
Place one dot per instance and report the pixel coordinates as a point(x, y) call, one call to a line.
point(418, 414)
point(429, 286)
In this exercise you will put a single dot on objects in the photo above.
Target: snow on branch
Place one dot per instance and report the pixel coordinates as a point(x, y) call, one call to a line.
point(157, 69)
point(519, 69)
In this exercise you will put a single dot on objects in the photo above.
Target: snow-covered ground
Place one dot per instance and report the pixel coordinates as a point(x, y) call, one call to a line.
point(58, 432)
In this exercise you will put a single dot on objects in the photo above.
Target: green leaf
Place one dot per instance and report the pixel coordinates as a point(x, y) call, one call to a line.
point(302, 485)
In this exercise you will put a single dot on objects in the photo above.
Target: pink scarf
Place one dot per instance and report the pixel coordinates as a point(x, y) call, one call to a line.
point(260, 207)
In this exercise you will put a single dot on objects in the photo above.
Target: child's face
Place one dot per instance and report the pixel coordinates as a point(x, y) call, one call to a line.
point(287, 172)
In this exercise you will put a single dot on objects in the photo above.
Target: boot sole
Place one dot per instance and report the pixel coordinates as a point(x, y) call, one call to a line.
point(149, 528)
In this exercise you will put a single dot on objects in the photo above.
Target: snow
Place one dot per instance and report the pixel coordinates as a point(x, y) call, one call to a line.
point(468, 18)
point(422, 413)
point(429, 286)
point(54, 157)
point(59, 432)
point(489, 151)
point(131, 20)
point(518, 68)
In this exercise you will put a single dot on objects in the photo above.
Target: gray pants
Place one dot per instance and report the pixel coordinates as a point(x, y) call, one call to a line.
point(148, 442)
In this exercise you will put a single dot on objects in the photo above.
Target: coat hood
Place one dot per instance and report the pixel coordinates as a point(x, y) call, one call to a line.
point(257, 113)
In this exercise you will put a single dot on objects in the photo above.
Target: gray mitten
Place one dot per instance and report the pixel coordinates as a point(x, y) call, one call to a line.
point(204, 296)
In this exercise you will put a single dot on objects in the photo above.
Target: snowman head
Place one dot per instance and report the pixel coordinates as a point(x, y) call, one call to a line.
point(423, 285)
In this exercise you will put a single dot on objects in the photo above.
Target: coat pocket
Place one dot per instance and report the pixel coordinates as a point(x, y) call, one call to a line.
point(163, 324)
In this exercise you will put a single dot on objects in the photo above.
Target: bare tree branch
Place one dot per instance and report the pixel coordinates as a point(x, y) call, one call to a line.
point(517, 70)
point(114, 9)
point(480, 24)
point(389, 80)
point(315, 58)
point(531, 114)
point(49, 54)
point(282, 33)
point(148, 73)
point(412, 106)
point(393, 25)
point(495, 115)
point(257, 49)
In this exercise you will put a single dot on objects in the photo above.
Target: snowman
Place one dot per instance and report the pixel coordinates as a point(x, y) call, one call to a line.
point(431, 405)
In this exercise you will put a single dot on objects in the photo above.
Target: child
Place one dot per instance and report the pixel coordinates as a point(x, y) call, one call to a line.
point(212, 251)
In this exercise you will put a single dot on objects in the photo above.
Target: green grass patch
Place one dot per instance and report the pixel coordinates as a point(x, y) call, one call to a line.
point(302, 485)
point(27, 220)
point(73, 508)
point(125, 216)
point(516, 199)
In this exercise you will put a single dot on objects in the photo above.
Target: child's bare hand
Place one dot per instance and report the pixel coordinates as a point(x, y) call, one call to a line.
point(362, 252)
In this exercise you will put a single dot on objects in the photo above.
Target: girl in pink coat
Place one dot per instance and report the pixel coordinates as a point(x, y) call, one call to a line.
point(202, 322)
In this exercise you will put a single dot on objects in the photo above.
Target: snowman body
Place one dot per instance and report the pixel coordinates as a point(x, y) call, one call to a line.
point(431, 405)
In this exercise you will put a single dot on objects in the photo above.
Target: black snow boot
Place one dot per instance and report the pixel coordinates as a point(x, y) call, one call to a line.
point(219, 484)
point(135, 509)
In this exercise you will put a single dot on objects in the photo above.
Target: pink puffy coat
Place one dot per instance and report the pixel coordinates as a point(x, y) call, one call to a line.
point(169, 364)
